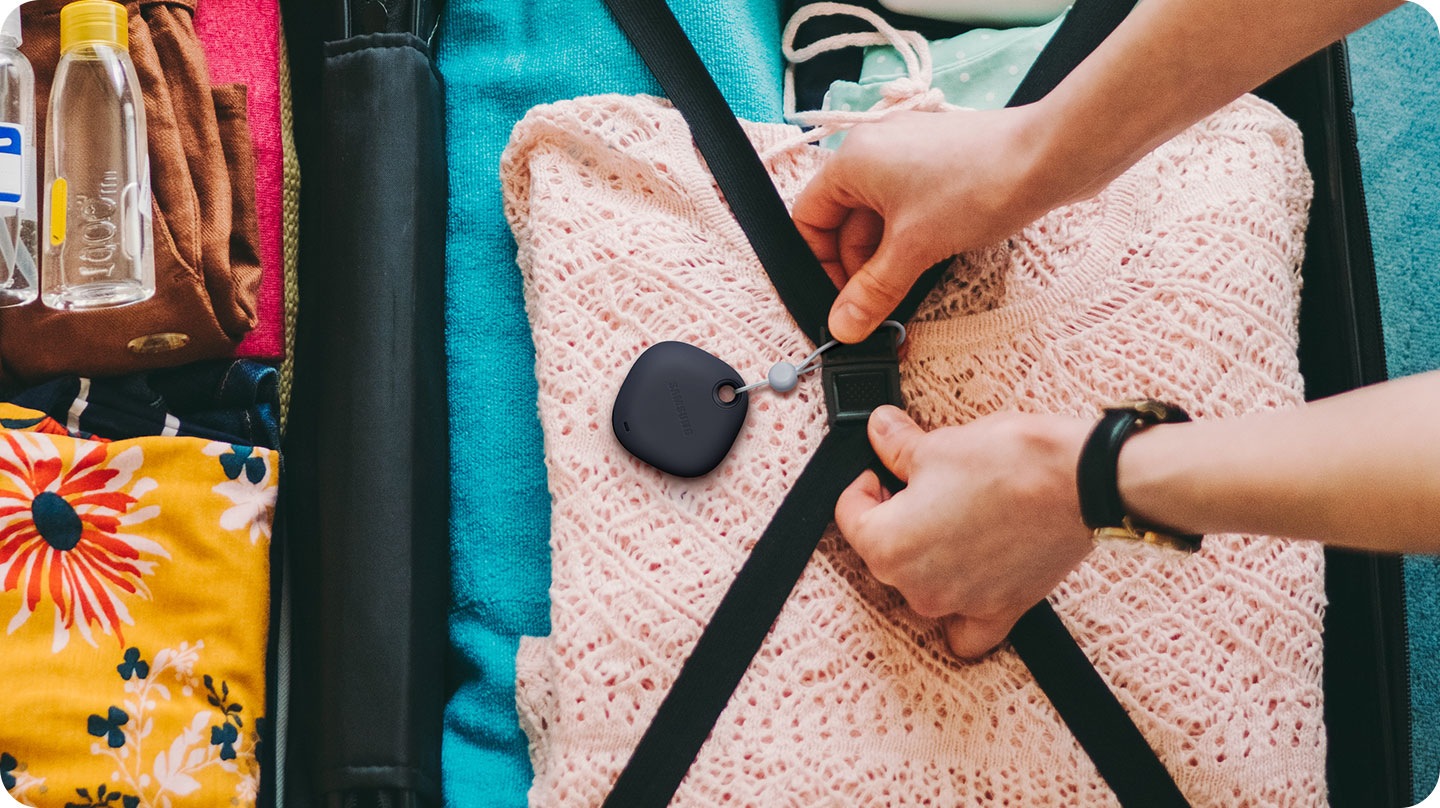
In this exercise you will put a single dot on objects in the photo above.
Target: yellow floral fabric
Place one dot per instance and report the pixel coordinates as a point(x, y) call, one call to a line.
point(135, 603)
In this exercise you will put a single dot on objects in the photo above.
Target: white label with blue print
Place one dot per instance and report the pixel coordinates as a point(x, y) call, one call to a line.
point(12, 166)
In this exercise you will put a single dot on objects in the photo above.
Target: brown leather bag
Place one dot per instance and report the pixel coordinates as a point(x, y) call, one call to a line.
point(202, 177)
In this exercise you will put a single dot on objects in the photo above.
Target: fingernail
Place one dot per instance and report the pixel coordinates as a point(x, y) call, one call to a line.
point(884, 420)
point(850, 317)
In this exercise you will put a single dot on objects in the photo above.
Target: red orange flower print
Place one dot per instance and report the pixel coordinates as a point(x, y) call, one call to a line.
point(65, 534)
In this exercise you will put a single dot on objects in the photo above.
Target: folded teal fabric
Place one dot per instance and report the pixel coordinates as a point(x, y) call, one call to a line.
point(1395, 65)
point(498, 59)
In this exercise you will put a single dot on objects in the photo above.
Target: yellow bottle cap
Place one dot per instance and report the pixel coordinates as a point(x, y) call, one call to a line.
point(87, 22)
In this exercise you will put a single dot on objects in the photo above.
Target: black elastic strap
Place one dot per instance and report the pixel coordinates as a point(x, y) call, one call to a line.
point(750, 607)
point(804, 288)
point(1090, 709)
point(741, 621)
point(1080, 33)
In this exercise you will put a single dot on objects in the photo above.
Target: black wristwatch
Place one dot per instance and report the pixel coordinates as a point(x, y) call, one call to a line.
point(1100, 504)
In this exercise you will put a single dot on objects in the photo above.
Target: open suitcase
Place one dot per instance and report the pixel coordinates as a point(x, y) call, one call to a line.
point(367, 680)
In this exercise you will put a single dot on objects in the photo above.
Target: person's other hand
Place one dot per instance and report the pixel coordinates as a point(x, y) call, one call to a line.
point(987, 525)
point(913, 189)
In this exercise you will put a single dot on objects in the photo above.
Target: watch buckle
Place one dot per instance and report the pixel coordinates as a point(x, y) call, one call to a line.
point(1128, 532)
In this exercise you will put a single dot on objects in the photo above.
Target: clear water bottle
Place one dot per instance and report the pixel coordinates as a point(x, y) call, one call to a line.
point(18, 202)
point(99, 249)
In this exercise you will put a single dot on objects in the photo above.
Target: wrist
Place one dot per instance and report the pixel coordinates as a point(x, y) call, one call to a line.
point(1086, 137)
point(1047, 177)
point(1068, 161)
point(1056, 443)
point(1152, 480)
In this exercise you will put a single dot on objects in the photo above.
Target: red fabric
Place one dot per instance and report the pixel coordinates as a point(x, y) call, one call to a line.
point(241, 40)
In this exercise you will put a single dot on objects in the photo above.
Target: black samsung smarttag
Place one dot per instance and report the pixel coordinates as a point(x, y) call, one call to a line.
point(672, 409)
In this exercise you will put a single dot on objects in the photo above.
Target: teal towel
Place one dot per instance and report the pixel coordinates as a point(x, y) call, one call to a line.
point(1396, 72)
point(498, 59)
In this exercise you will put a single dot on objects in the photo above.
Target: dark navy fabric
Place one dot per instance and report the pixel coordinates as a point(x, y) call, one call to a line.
point(226, 400)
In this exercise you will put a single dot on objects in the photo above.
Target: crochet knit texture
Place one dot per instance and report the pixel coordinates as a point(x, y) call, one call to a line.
point(1179, 281)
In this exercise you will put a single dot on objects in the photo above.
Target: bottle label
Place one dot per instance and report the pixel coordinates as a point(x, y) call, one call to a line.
point(12, 166)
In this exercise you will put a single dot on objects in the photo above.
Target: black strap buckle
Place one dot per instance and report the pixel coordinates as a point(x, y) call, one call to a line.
point(858, 378)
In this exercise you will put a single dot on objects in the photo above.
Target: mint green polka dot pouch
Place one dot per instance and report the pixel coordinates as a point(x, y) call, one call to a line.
point(980, 69)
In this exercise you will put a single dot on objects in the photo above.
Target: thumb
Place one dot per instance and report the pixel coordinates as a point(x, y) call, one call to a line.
point(894, 436)
point(873, 292)
point(974, 637)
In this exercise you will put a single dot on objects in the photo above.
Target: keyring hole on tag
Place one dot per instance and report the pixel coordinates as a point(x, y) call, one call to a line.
point(725, 393)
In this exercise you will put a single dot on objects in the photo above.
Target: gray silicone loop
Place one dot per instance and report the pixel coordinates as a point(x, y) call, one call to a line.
point(783, 376)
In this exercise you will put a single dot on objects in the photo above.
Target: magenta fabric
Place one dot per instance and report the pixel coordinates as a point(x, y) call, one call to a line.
point(241, 39)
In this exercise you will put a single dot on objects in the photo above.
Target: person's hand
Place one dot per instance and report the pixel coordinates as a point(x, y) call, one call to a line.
point(988, 523)
point(915, 188)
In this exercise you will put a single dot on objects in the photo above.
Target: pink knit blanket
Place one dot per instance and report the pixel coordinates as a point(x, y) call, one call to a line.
point(1178, 281)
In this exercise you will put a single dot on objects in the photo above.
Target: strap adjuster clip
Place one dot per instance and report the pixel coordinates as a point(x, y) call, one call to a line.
point(858, 378)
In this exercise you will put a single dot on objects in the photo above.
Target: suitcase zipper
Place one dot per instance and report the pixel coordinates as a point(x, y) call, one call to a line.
point(1372, 366)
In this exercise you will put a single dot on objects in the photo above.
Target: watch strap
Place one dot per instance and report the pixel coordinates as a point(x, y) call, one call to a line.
point(1098, 469)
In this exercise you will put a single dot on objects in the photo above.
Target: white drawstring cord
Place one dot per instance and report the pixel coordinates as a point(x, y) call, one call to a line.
point(910, 92)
